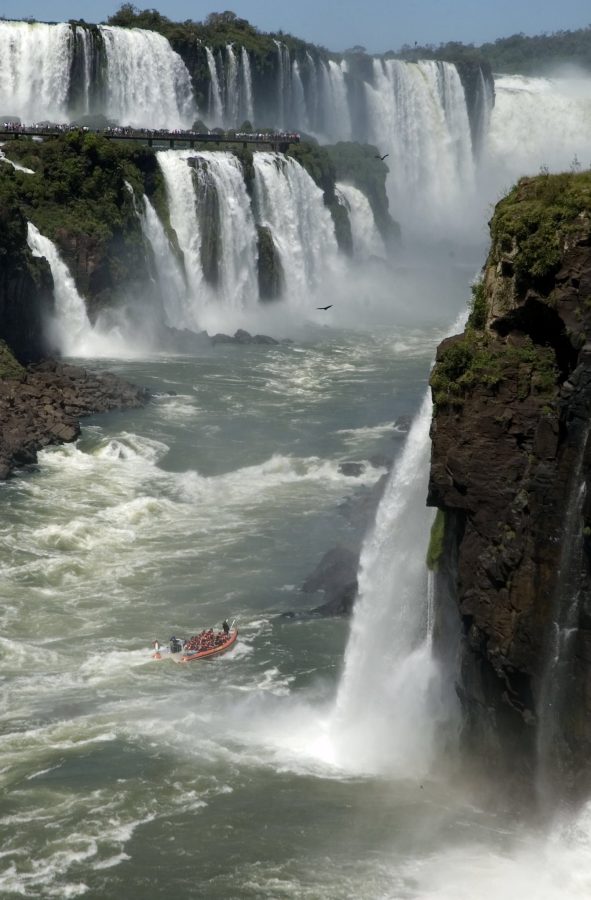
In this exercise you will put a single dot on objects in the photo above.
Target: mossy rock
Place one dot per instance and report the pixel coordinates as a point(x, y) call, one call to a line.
point(270, 270)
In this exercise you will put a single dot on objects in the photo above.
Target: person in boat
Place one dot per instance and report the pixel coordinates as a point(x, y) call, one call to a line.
point(156, 648)
point(226, 627)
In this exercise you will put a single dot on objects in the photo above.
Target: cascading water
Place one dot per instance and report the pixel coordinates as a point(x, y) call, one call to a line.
point(336, 117)
point(71, 331)
point(232, 87)
point(216, 103)
point(367, 240)
point(551, 742)
point(35, 62)
point(283, 85)
point(147, 82)
point(246, 87)
point(386, 714)
point(417, 112)
point(235, 238)
point(169, 271)
point(537, 123)
point(290, 203)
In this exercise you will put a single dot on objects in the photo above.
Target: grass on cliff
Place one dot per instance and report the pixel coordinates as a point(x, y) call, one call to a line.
point(9, 367)
point(482, 360)
point(532, 223)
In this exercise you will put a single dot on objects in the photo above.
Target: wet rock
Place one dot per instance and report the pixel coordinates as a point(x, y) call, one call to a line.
point(336, 577)
point(243, 337)
point(42, 407)
point(403, 423)
point(352, 469)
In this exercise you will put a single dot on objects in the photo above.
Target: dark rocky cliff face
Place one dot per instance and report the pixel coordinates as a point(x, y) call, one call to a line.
point(26, 289)
point(511, 462)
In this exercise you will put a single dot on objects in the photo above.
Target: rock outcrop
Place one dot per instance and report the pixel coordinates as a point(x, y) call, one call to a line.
point(41, 406)
point(511, 462)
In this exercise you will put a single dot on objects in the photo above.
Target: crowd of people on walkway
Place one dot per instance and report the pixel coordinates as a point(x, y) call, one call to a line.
point(127, 131)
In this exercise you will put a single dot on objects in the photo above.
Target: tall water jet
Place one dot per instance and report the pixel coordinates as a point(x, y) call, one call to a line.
point(388, 710)
point(146, 81)
point(71, 329)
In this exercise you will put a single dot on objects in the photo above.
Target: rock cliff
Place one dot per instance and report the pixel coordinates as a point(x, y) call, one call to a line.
point(510, 468)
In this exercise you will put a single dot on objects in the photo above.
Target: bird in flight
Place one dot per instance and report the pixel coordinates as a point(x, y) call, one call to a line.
point(381, 157)
point(325, 307)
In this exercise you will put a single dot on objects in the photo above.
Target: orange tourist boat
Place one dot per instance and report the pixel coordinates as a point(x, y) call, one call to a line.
point(221, 642)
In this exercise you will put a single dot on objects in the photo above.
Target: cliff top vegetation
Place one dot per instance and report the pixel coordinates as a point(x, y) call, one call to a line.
point(217, 30)
point(519, 54)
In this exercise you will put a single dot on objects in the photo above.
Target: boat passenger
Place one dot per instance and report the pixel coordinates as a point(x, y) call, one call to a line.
point(226, 627)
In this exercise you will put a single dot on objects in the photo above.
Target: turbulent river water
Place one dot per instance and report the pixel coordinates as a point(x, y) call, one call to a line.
point(126, 777)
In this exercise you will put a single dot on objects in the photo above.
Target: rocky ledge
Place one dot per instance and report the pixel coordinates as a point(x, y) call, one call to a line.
point(510, 472)
point(41, 405)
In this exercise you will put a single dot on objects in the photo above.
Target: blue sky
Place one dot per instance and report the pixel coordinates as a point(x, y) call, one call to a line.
point(378, 25)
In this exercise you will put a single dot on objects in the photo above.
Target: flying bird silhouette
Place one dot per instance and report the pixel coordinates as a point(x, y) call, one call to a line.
point(381, 157)
point(325, 307)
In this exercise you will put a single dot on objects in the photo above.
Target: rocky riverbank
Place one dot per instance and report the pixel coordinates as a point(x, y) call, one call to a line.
point(42, 405)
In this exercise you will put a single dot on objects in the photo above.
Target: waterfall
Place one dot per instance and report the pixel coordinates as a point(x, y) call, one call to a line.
point(313, 92)
point(72, 331)
point(552, 745)
point(417, 112)
point(336, 117)
point(367, 240)
point(538, 122)
point(232, 245)
point(147, 83)
point(386, 716)
point(300, 112)
point(290, 203)
point(232, 89)
point(247, 105)
point(216, 104)
point(283, 85)
point(169, 272)
point(35, 61)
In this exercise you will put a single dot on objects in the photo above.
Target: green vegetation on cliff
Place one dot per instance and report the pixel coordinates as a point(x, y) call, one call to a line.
point(435, 548)
point(79, 197)
point(9, 367)
point(531, 225)
point(534, 228)
point(360, 165)
point(519, 54)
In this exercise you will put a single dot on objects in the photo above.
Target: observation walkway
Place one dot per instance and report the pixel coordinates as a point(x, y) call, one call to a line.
point(278, 141)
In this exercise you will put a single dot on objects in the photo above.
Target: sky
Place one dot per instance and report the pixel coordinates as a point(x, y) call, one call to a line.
point(378, 25)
